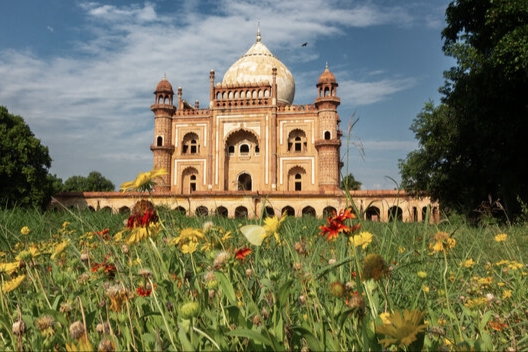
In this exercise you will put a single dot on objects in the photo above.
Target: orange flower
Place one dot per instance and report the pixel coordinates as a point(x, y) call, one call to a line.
point(336, 224)
point(242, 253)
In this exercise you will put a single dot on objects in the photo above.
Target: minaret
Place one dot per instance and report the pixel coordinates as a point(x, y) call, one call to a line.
point(328, 142)
point(163, 147)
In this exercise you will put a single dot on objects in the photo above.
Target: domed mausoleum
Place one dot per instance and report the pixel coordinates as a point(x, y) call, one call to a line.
point(251, 152)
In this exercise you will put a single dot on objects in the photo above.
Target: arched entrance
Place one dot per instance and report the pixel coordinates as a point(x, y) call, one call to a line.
point(244, 182)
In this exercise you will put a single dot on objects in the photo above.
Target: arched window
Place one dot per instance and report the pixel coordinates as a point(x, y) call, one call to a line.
point(298, 182)
point(192, 184)
point(191, 144)
point(327, 135)
point(244, 182)
point(297, 141)
point(231, 149)
point(244, 149)
point(159, 141)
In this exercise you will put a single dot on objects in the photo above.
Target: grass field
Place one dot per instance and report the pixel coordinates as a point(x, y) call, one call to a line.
point(87, 281)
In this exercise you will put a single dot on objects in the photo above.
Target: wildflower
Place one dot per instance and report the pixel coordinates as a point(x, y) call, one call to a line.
point(442, 242)
point(363, 239)
point(103, 328)
point(138, 234)
point(65, 307)
point(77, 330)
point(335, 225)
point(118, 295)
point(188, 235)
point(385, 318)
point(425, 288)
point(190, 310)
point(475, 303)
point(506, 294)
point(145, 291)
point(497, 325)
point(189, 248)
point(403, 329)
point(59, 249)
point(221, 259)
point(401, 249)
point(9, 268)
point(45, 325)
point(242, 253)
point(374, 267)
point(300, 247)
point(501, 237)
point(145, 273)
point(106, 345)
point(144, 181)
point(421, 274)
point(273, 224)
point(19, 328)
point(25, 230)
point(11, 285)
point(337, 288)
point(143, 214)
point(468, 263)
point(208, 225)
point(356, 302)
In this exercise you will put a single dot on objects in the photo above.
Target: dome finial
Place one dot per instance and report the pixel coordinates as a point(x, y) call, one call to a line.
point(258, 32)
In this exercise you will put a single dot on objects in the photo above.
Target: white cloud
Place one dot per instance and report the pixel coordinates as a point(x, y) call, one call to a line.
point(90, 103)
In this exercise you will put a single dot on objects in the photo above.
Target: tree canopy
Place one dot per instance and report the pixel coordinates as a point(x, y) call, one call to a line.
point(472, 146)
point(24, 165)
point(95, 182)
point(350, 183)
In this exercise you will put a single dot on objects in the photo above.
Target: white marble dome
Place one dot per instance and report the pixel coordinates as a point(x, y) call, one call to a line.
point(256, 66)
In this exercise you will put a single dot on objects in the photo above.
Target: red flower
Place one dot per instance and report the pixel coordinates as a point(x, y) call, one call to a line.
point(144, 291)
point(103, 234)
point(242, 253)
point(336, 224)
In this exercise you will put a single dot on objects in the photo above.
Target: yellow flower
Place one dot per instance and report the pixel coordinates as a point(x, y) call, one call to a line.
point(189, 248)
point(385, 318)
point(421, 274)
point(401, 249)
point(25, 230)
point(138, 234)
point(9, 286)
point(403, 329)
point(442, 242)
point(425, 288)
point(188, 235)
point(501, 237)
point(475, 303)
point(273, 224)
point(363, 239)
point(468, 263)
point(506, 294)
point(144, 181)
point(9, 268)
point(60, 248)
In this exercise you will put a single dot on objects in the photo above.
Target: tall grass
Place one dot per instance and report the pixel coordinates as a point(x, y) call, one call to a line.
point(86, 288)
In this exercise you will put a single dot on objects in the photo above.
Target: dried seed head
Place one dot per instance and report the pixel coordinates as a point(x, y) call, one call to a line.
point(45, 322)
point(19, 328)
point(106, 346)
point(76, 330)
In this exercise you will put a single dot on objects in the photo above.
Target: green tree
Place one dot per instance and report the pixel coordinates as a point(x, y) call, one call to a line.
point(350, 183)
point(481, 123)
point(24, 165)
point(95, 182)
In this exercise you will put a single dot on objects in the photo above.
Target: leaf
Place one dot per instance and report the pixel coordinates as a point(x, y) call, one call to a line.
point(252, 335)
point(311, 340)
point(333, 266)
point(226, 286)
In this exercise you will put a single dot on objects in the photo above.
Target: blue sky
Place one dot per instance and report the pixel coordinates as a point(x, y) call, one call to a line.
point(82, 73)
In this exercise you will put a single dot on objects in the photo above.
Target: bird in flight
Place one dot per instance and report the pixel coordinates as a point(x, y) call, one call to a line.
point(305, 44)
